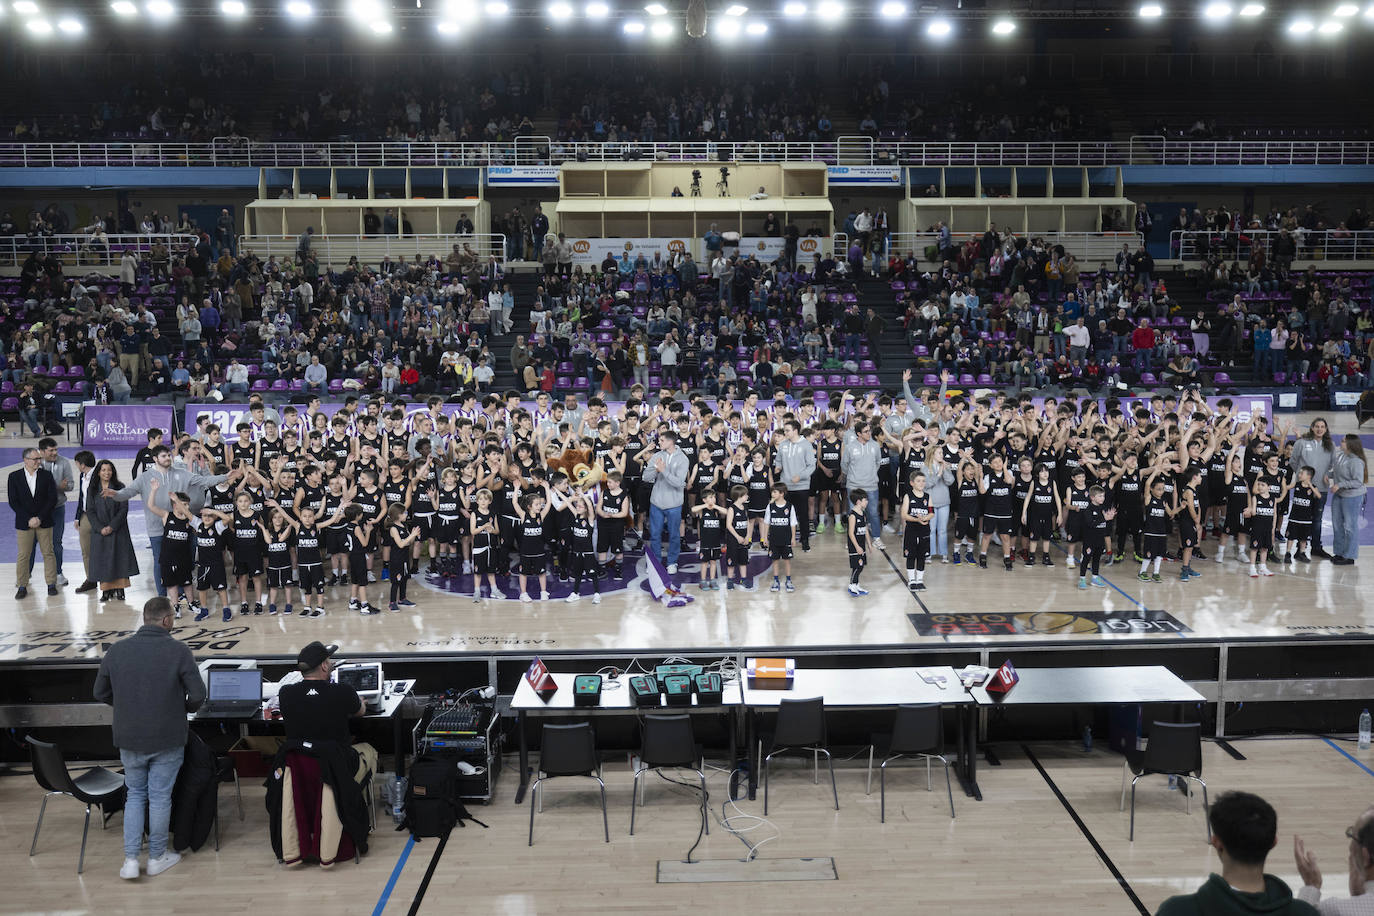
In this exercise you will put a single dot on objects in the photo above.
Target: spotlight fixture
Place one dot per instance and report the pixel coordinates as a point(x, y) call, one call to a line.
point(1300, 26)
point(757, 28)
point(661, 30)
point(892, 9)
point(560, 10)
point(299, 9)
point(939, 28)
point(497, 8)
point(597, 10)
point(1003, 27)
point(233, 8)
point(736, 10)
point(123, 8)
point(40, 27)
point(1151, 11)
point(1329, 27)
point(447, 27)
point(69, 25)
point(1217, 10)
point(830, 10)
point(793, 9)
point(26, 8)
point(634, 27)
point(380, 27)
point(656, 9)
point(727, 29)
point(161, 9)
point(1345, 10)
point(1251, 10)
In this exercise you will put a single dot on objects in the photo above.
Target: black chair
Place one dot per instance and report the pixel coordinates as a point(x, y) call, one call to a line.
point(98, 786)
point(800, 727)
point(567, 750)
point(1175, 750)
point(669, 741)
point(226, 772)
point(917, 731)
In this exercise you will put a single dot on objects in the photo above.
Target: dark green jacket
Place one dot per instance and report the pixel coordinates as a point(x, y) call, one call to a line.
point(1217, 898)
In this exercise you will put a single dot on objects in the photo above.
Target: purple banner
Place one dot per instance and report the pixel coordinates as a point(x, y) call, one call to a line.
point(124, 424)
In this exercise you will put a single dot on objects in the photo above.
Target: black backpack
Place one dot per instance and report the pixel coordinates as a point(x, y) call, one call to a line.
point(432, 806)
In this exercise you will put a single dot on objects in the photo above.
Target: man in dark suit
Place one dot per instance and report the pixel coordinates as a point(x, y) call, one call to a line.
point(33, 496)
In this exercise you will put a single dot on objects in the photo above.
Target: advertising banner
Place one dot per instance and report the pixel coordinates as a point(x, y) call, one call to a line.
point(227, 416)
point(593, 251)
point(124, 424)
point(523, 174)
point(865, 174)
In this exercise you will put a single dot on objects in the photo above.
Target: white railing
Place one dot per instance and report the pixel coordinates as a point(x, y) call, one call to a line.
point(1323, 244)
point(85, 250)
point(334, 251)
point(1089, 248)
point(541, 151)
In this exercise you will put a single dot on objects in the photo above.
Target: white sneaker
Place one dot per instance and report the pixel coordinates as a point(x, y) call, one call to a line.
point(672, 569)
point(543, 596)
point(889, 529)
point(525, 597)
point(573, 598)
point(162, 863)
point(129, 870)
point(1220, 558)
point(596, 597)
point(878, 543)
point(61, 579)
point(1264, 571)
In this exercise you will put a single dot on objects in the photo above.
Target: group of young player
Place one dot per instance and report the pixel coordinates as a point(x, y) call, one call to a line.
point(473, 491)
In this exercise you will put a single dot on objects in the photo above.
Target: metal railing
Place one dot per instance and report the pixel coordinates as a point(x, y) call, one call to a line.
point(1314, 245)
point(334, 251)
point(1089, 248)
point(86, 250)
point(236, 152)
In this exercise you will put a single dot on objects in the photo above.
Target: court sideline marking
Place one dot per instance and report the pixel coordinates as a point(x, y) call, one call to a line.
point(1349, 756)
point(395, 874)
point(1087, 834)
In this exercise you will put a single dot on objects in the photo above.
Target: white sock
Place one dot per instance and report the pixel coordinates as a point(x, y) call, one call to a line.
point(1144, 567)
point(920, 575)
point(1158, 562)
point(1221, 551)
point(911, 576)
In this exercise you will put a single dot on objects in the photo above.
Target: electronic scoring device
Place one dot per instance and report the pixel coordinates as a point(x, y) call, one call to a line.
point(365, 678)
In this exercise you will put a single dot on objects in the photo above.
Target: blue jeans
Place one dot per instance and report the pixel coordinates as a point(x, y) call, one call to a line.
point(1345, 522)
point(874, 522)
point(30, 418)
point(149, 778)
point(939, 532)
point(673, 519)
point(156, 544)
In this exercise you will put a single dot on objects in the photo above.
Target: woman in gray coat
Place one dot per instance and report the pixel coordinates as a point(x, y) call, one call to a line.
point(112, 550)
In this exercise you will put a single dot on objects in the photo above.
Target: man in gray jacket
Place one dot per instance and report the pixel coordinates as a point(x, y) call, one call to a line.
point(170, 480)
point(667, 471)
point(795, 463)
point(859, 464)
point(151, 681)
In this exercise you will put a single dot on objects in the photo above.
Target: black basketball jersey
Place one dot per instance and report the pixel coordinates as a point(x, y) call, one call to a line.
point(998, 498)
point(209, 546)
point(614, 503)
point(247, 536)
point(1156, 517)
point(918, 504)
point(448, 504)
point(308, 546)
point(711, 525)
point(530, 536)
point(279, 549)
point(781, 520)
point(580, 539)
point(177, 548)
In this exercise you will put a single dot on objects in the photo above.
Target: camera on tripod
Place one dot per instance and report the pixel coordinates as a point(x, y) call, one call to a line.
point(696, 182)
point(724, 173)
point(723, 186)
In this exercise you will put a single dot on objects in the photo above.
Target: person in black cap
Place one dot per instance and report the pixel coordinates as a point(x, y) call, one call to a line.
point(318, 709)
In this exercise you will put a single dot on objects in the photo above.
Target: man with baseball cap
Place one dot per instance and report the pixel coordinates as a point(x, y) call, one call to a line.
point(317, 709)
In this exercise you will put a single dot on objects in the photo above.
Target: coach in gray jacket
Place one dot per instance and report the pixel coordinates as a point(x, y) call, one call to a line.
point(795, 463)
point(170, 480)
point(667, 471)
point(151, 681)
point(859, 464)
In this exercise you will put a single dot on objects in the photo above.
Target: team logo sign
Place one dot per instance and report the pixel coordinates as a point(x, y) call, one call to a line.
point(1048, 623)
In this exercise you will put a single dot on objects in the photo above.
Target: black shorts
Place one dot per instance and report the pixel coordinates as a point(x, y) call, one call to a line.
point(737, 554)
point(486, 560)
point(915, 546)
point(533, 565)
point(610, 535)
point(425, 525)
point(1262, 536)
point(995, 525)
point(1297, 531)
point(177, 575)
point(399, 565)
point(248, 566)
point(1187, 533)
point(357, 568)
point(210, 578)
point(713, 553)
point(824, 483)
point(447, 531)
point(335, 540)
point(966, 526)
point(1154, 545)
point(279, 577)
point(1236, 524)
point(780, 551)
point(858, 561)
point(1129, 523)
point(312, 578)
point(1073, 527)
point(1040, 527)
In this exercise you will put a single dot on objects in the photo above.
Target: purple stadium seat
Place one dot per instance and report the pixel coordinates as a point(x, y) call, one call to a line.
point(866, 365)
point(298, 384)
point(259, 385)
point(871, 380)
point(1221, 378)
point(1280, 378)
point(581, 382)
point(254, 370)
point(921, 350)
point(40, 370)
point(853, 381)
point(564, 382)
point(930, 380)
point(9, 404)
point(966, 379)
point(834, 381)
point(898, 286)
point(565, 367)
point(606, 325)
point(280, 384)
point(62, 387)
point(742, 365)
point(6, 387)
point(604, 337)
point(336, 386)
point(984, 379)
point(57, 372)
point(655, 381)
point(1148, 378)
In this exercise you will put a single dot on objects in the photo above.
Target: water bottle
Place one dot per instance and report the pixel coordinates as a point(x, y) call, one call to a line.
point(1087, 738)
point(1364, 730)
point(398, 800)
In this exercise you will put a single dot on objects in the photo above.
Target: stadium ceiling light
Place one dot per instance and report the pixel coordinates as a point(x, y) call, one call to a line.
point(1345, 10)
point(497, 8)
point(233, 8)
point(727, 29)
point(1151, 11)
point(25, 7)
point(736, 10)
point(161, 9)
point(830, 10)
point(656, 9)
point(939, 28)
point(1251, 10)
point(1300, 26)
point(757, 28)
point(40, 27)
point(1369, 12)
point(1218, 10)
point(597, 10)
point(447, 28)
point(123, 8)
point(892, 9)
point(794, 10)
point(380, 27)
point(1003, 27)
point(1329, 27)
point(634, 27)
point(661, 30)
point(561, 10)
point(299, 9)
point(70, 25)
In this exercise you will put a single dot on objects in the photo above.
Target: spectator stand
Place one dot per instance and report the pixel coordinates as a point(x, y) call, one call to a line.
point(87, 250)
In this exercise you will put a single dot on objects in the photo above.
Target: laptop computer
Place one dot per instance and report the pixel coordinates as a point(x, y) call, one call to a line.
point(232, 693)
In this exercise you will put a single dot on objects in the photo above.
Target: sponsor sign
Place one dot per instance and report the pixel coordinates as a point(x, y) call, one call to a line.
point(124, 424)
point(227, 416)
point(593, 251)
point(1048, 623)
point(865, 174)
point(523, 174)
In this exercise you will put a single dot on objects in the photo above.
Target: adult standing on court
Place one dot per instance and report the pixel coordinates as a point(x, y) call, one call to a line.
point(1315, 449)
point(667, 471)
point(85, 473)
point(1349, 483)
point(32, 495)
point(151, 681)
point(859, 465)
point(64, 476)
point(796, 463)
point(112, 558)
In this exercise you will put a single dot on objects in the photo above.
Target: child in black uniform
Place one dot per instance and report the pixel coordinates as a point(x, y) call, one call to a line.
point(532, 509)
point(486, 538)
point(276, 535)
point(1303, 501)
point(178, 549)
point(856, 536)
point(356, 546)
point(916, 515)
point(209, 544)
point(308, 540)
point(1093, 529)
point(400, 536)
point(613, 513)
point(781, 521)
point(248, 551)
point(711, 527)
point(1262, 514)
point(581, 538)
point(737, 539)
point(1039, 513)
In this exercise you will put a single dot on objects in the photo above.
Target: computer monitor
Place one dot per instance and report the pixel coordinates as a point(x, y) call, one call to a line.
point(227, 684)
point(364, 677)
